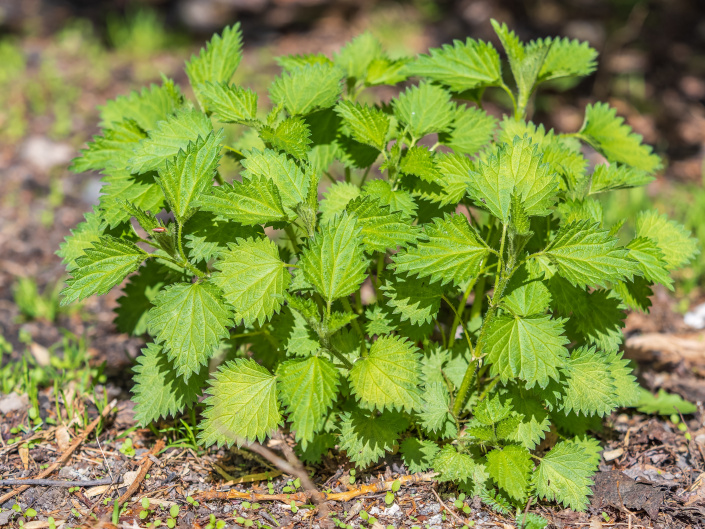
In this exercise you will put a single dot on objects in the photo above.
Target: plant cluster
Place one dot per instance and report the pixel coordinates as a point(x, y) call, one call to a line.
point(415, 274)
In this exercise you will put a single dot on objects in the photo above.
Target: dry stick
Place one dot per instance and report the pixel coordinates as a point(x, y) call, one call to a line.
point(294, 461)
point(446, 507)
point(288, 468)
point(145, 465)
point(302, 497)
point(67, 453)
point(55, 482)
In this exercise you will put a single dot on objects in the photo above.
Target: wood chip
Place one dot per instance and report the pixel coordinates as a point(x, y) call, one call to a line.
point(97, 491)
point(611, 455)
point(24, 455)
point(63, 439)
point(129, 478)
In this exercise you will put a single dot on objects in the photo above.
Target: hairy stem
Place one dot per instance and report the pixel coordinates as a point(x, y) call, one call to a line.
point(505, 270)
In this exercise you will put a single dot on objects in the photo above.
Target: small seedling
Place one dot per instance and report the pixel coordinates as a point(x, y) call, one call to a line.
point(351, 480)
point(127, 449)
point(389, 497)
point(294, 508)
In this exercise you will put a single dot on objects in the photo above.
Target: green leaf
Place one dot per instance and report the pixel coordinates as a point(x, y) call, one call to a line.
point(169, 137)
point(291, 181)
point(453, 466)
point(367, 125)
point(435, 415)
point(607, 177)
point(207, 236)
point(396, 199)
point(217, 62)
point(516, 168)
point(564, 475)
point(380, 229)
point(111, 151)
point(334, 261)
point(589, 387)
point(119, 187)
point(534, 420)
point(242, 405)
point(146, 108)
point(104, 265)
point(673, 239)
point(607, 133)
point(418, 455)
point(355, 57)
point(663, 404)
point(291, 62)
point(187, 176)
point(510, 468)
point(290, 136)
point(462, 66)
point(452, 253)
point(253, 279)
point(635, 294)
point(229, 103)
point(296, 337)
point(566, 58)
point(138, 294)
point(365, 437)
point(627, 388)
point(492, 410)
point(190, 320)
point(651, 260)
point(587, 255)
point(598, 318)
point(454, 170)
point(307, 88)
point(424, 109)
point(83, 236)
point(472, 129)
point(388, 376)
point(413, 300)
point(336, 198)
point(386, 71)
point(526, 292)
point(530, 348)
point(525, 61)
point(250, 202)
point(308, 389)
point(418, 161)
point(158, 391)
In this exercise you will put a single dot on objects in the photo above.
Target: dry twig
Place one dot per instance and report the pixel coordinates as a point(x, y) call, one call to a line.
point(302, 497)
point(55, 482)
point(145, 465)
point(67, 454)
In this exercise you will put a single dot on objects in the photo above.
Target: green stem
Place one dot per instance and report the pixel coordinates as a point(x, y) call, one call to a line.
point(289, 230)
point(340, 357)
point(504, 87)
point(459, 312)
point(195, 271)
point(185, 264)
point(457, 316)
point(356, 326)
point(219, 178)
point(364, 176)
point(505, 271)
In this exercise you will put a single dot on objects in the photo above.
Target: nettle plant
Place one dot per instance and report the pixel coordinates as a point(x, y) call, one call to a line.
point(415, 274)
